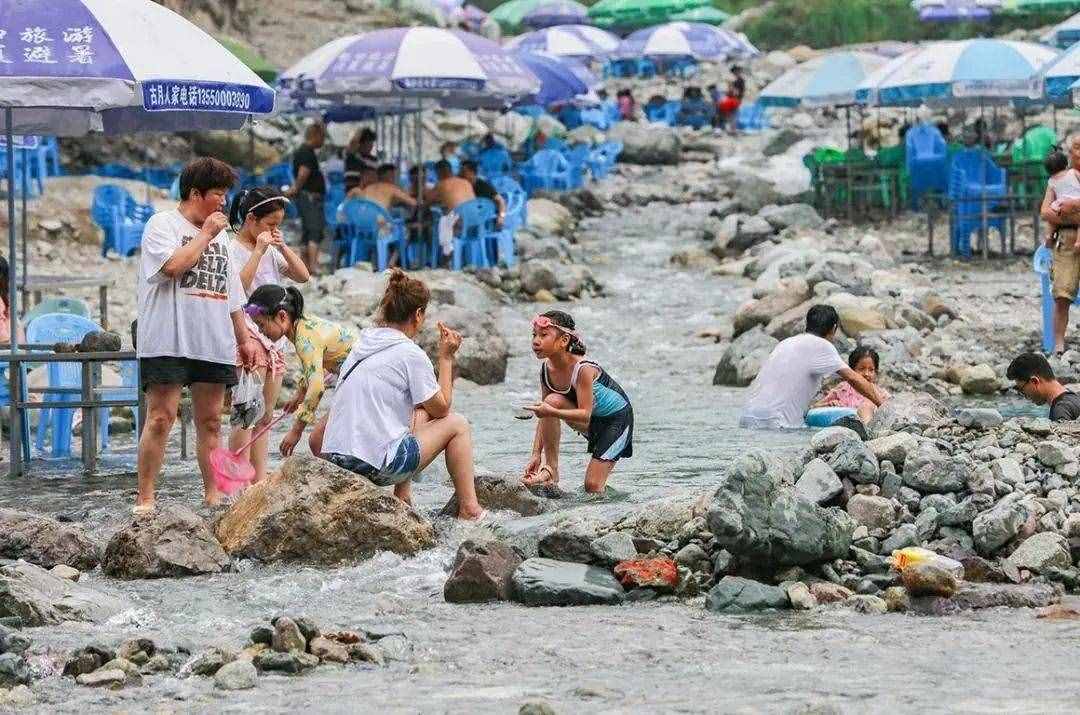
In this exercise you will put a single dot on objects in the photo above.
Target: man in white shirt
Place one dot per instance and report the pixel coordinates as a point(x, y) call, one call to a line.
point(781, 394)
point(191, 328)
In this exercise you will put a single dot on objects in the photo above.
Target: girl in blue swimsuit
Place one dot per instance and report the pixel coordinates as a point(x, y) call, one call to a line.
point(580, 393)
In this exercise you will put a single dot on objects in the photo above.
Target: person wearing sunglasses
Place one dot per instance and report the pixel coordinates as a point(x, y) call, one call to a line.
point(1033, 378)
point(580, 393)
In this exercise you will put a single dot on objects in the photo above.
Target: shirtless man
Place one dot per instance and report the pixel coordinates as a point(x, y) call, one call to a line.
point(1064, 241)
point(484, 190)
point(384, 190)
point(449, 191)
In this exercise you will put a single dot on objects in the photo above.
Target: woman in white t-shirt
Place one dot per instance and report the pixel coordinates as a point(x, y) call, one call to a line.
point(391, 417)
point(261, 257)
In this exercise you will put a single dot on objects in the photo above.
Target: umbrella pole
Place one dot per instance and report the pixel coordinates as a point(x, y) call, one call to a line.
point(22, 226)
point(13, 426)
point(847, 121)
point(251, 145)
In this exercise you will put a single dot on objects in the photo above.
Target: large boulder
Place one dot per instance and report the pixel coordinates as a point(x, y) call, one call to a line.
point(798, 216)
point(818, 483)
point(979, 380)
point(743, 231)
point(996, 526)
point(316, 512)
point(928, 470)
point(911, 409)
point(858, 314)
point(1041, 552)
point(743, 358)
point(483, 353)
point(500, 492)
point(847, 271)
point(739, 595)
point(45, 542)
point(754, 193)
point(481, 572)
point(173, 541)
point(546, 582)
point(547, 217)
point(40, 598)
point(790, 292)
point(646, 143)
point(757, 516)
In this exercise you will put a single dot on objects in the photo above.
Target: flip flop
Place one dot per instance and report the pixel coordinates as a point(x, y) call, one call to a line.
point(143, 510)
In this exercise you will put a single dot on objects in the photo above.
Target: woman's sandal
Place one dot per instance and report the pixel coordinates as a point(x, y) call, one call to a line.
point(551, 480)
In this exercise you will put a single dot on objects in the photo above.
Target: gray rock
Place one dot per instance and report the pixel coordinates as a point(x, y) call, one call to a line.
point(692, 556)
point(14, 670)
point(481, 572)
point(571, 537)
point(173, 541)
point(847, 271)
point(538, 275)
point(1054, 454)
point(980, 418)
point(927, 579)
point(854, 460)
point(208, 662)
point(646, 143)
point(800, 216)
point(916, 410)
point(965, 511)
point(926, 524)
point(1042, 551)
point(743, 358)
point(995, 595)
point(894, 447)
point(1007, 470)
point(45, 542)
point(788, 293)
point(825, 441)
point(800, 597)
point(739, 595)
point(745, 231)
point(754, 193)
point(612, 548)
point(863, 603)
point(287, 636)
point(979, 380)
point(928, 470)
point(546, 582)
point(904, 536)
point(484, 352)
point(66, 572)
point(756, 515)
point(993, 528)
point(873, 512)
point(40, 598)
point(501, 492)
point(103, 679)
point(292, 662)
point(238, 675)
point(818, 483)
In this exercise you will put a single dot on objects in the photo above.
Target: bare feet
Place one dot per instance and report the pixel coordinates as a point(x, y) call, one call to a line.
point(143, 509)
point(475, 514)
point(544, 476)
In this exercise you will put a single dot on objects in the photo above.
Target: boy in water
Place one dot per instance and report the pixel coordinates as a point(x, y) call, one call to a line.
point(1034, 379)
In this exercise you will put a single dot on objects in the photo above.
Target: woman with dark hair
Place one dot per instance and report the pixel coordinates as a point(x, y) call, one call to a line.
point(320, 345)
point(580, 393)
point(259, 252)
point(391, 417)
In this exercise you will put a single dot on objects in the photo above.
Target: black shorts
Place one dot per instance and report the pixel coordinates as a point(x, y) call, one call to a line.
point(312, 216)
point(168, 370)
point(612, 437)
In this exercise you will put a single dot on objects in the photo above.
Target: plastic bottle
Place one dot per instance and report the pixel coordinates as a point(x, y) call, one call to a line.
point(912, 555)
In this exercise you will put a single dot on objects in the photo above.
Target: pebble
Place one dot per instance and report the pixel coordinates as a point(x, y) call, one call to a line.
point(238, 675)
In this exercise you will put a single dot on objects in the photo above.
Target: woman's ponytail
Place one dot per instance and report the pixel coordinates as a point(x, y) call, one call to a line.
point(294, 303)
point(403, 297)
point(236, 210)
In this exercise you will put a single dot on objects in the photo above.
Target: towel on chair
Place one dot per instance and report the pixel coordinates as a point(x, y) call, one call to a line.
point(446, 232)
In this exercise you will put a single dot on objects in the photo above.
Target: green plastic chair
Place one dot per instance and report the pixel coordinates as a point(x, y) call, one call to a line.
point(68, 306)
point(895, 157)
point(1034, 145)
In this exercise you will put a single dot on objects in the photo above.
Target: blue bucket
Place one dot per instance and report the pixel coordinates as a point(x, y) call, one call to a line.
point(826, 416)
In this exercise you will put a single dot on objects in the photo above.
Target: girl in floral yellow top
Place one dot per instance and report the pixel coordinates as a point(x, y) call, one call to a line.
point(320, 345)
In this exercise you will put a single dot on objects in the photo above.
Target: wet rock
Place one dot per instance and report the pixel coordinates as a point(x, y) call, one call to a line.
point(134, 676)
point(739, 595)
point(262, 634)
point(756, 515)
point(499, 492)
point(546, 582)
point(917, 410)
point(743, 231)
point(538, 275)
point(979, 380)
point(481, 572)
point(754, 193)
point(14, 670)
point(928, 470)
point(292, 662)
point(788, 293)
point(1007, 470)
point(1041, 552)
point(483, 353)
point(612, 548)
point(87, 660)
point(208, 661)
point(800, 216)
point(45, 542)
point(238, 675)
point(173, 541)
point(873, 512)
point(692, 557)
point(100, 341)
point(328, 651)
point(826, 441)
point(993, 595)
point(157, 664)
point(800, 597)
point(316, 512)
point(65, 572)
point(646, 143)
point(743, 358)
point(897, 599)
point(113, 679)
point(826, 592)
point(40, 598)
point(12, 641)
point(864, 603)
point(659, 572)
point(287, 636)
point(571, 537)
point(979, 418)
point(926, 579)
point(854, 460)
point(1054, 454)
point(993, 528)
point(849, 272)
point(818, 483)
point(366, 653)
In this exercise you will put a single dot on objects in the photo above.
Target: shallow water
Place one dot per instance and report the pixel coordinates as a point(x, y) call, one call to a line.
point(648, 657)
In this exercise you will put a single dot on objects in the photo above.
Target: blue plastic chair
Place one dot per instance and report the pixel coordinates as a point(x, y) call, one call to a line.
point(517, 202)
point(603, 157)
point(597, 117)
point(335, 195)
point(494, 162)
point(547, 169)
point(469, 149)
point(67, 306)
point(927, 159)
point(973, 180)
point(120, 217)
point(161, 178)
point(128, 390)
point(477, 229)
point(50, 152)
point(365, 227)
point(117, 171)
point(530, 110)
point(620, 68)
point(57, 328)
point(751, 118)
point(684, 67)
point(695, 114)
point(35, 186)
point(645, 68)
point(578, 158)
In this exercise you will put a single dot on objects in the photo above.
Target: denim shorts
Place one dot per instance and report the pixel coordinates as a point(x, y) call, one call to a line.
point(401, 468)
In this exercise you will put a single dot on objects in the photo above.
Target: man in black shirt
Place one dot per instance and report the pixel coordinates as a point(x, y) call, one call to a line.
point(359, 155)
point(483, 189)
point(738, 85)
point(309, 193)
point(1034, 379)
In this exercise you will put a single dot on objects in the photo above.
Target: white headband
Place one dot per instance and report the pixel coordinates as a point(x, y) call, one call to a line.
point(269, 200)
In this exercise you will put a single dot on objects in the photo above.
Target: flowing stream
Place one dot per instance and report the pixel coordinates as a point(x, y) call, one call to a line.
point(669, 657)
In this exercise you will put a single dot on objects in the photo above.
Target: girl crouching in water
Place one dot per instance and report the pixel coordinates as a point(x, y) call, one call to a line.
point(320, 345)
point(580, 393)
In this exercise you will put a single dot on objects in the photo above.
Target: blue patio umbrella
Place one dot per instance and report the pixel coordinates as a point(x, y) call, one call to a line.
point(561, 80)
point(556, 12)
point(1059, 75)
point(1065, 34)
point(823, 81)
point(956, 10)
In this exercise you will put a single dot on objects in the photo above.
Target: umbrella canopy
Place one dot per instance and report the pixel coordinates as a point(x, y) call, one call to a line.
point(1065, 34)
point(561, 79)
point(556, 12)
point(953, 11)
point(639, 13)
point(681, 39)
point(250, 57)
point(962, 72)
point(457, 68)
point(69, 67)
point(708, 14)
point(828, 80)
point(567, 41)
point(1058, 76)
point(1046, 6)
point(510, 14)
